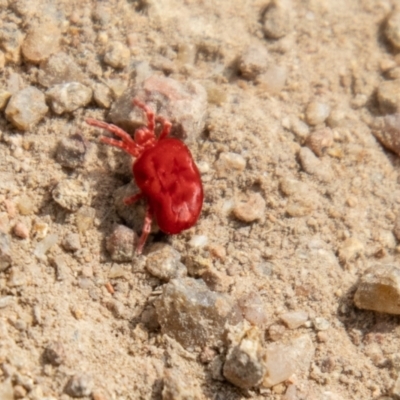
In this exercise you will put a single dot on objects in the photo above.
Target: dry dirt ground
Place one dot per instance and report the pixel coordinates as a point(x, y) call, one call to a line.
point(325, 214)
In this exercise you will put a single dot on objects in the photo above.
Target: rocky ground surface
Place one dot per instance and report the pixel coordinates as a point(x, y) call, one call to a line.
point(288, 287)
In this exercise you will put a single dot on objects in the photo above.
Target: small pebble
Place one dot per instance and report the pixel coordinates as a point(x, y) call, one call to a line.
point(40, 229)
point(392, 29)
point(244, 366)
point(321, 324)
point(122, 243)
point(228, 163)
point(71, 194)
point(72, 242)
point(118, 271)
point(2, 60)
point(25, 205)
point(253, 309)
point(117, 86)
point(45, 245)
point(85, 218)
point(184, 104)
point(250, 210)
point(11, 39)
point(294, 319)
point(388, 133)
point(319, 140)
point(41, 41)
point(317, 112)
point(388, 94)
point(192, 314)
point(215, 94)
point(117, 55)
point(68, 97)
point(4, 97)
point(277, 19)
point(71, 151)
point(198, 241)
point(164, 263)
point(16, 278)
point(54, 353)
point(283, 360)
point(379, 289)
point(5, 251)
point(19, 392)
point(336, 117)
point(62, 269)
point(26, 108)
point(102, 95)
point(176, 386)
point(299, 128)
point(350, 249)
point(253, 61)
point(314, 166)
point(80, 385)
point(21, 230)
point(59, 68)
point(273, 80)
point(276, 331)
point(5, 301)
point(6, 390)
point(395, 390)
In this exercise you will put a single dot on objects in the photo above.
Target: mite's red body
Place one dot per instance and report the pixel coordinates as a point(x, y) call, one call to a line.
point(164, 171)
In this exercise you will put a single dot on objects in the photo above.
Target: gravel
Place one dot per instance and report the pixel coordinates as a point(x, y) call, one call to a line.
point(122, 243)
point(317, 112)
point(251, 209)
point(60, 68)
point(41, 41)
point(68, 97)
point(71, 194)
point(277, 19)
point(117, 55)
point(26, 108)
point(192, 314)
point(164, 263)
point(244, 366)
point(184, 104)
point(5, 251)
point(379, 289)
point(71, 151)
point(253, 61)
point(80, 385)
point(389, 96)
point(392, 29)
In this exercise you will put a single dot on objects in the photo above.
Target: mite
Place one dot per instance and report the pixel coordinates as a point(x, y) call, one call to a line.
point(164, 171)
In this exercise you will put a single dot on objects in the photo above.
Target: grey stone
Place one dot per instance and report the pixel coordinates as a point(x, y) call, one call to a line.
point(194, 315)
point(68, 97)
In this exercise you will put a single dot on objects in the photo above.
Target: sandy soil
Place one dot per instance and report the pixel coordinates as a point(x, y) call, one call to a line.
point(331, 53)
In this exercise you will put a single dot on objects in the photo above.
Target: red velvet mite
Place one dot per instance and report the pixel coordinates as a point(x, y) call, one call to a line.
point(164, 171)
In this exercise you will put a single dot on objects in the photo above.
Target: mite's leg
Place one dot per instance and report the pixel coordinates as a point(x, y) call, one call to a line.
point(133, 199)
point(127, 143)
point(121, 145)
point(166, 127)
point(151, 123)
point(146, 230)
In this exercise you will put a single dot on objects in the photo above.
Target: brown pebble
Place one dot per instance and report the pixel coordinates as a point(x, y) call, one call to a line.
point(21, 230)
point(320, 140)
point(389, 133)
point(109, 288)
point(250, 210)
point(54, 353)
